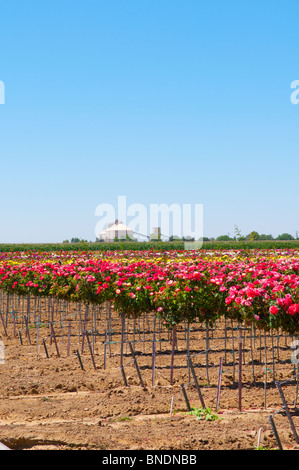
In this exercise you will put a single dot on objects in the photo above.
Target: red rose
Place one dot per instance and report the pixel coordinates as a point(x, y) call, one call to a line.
point(273, 309)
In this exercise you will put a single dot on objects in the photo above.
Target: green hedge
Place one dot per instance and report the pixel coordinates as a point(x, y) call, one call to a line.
point(81, 246)
point(140, 246)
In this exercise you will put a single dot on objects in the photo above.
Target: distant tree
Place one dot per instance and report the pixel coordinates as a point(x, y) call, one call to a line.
point(263, 236)
point(65, 241)
point(78, 240)
point(173, 238)
point(285, 236)
point(223, 238)
point(253, 236)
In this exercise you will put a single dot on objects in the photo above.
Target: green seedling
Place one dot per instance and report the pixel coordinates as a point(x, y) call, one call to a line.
point(125, 418)
point(203, 413)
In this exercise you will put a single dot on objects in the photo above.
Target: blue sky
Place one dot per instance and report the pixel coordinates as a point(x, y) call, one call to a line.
point(167, 101)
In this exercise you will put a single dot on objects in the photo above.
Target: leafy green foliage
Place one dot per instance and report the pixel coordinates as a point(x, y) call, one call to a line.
point(203, 413)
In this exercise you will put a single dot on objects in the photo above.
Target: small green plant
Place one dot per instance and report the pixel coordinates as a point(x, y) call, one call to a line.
point(125, 418)
point(203, 413)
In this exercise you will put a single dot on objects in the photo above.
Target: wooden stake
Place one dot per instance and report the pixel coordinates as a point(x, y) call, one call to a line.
point(219, 384)
point(287, 411)
point(154, 353)
point(45, 347)
point(207, 351)
point(3, 324)
point(69, 339)
point(105, 350)
point(196, 383)
point(55, 342)
point(172, 354)
point(27, 329)
point(90, 350)
point(136, 364)
point(185, 397)
point(270, 418)
point(79, 357)
point(124, 375)
point(122, 339)
point(240, 373)
point(20, 336)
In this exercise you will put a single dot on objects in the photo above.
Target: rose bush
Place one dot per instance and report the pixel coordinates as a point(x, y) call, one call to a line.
point(257, 287)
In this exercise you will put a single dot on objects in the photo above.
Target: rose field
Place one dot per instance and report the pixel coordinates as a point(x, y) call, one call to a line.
point(141, 350)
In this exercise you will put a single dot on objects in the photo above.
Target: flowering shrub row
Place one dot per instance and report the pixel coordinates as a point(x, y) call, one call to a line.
point(250, 286)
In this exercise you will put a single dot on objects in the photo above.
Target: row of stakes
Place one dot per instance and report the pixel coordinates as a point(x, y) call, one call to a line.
point(200, 395)
point(287, 412)
point(86, 334)
point(183, 388)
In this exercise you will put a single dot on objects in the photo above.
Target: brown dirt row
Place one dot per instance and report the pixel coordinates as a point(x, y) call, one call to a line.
point(51, 403)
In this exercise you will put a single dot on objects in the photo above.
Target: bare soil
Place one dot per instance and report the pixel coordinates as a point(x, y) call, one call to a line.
point(52, 403)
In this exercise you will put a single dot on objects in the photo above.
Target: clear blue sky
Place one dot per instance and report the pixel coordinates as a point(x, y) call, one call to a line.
point(163, 101)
